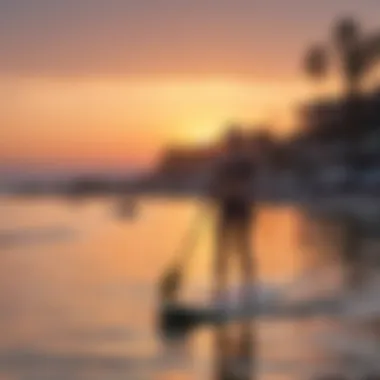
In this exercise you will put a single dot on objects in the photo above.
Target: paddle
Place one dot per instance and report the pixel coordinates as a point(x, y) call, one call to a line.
point(171, 281)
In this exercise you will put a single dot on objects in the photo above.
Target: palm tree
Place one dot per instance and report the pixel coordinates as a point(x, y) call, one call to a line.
point(347, 38)
point(316, 65)
point(356, 53)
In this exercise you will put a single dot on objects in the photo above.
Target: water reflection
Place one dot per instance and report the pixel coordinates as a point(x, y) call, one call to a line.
point(234, 350)
point(345, 241)
point(352, 236)
point(94, 297)
point(351, 243)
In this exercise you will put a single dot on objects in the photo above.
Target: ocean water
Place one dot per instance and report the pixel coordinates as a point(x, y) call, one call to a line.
point(78, 294)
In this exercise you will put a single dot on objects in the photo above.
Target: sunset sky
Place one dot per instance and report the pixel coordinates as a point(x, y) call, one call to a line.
point(106, 84)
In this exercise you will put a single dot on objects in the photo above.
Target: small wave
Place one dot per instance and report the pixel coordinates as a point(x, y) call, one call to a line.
point(285, 300)
point(38, 364)
point(14, 238)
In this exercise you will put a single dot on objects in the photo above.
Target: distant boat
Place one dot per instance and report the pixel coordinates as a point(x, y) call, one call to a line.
point(127, 209)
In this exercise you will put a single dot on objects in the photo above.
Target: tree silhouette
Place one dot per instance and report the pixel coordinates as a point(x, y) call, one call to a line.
point(357, 54)
point(316, 62)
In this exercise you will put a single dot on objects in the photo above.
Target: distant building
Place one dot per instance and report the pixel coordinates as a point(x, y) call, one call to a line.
point(331, 118)
point(189, 166)
point(185, 161)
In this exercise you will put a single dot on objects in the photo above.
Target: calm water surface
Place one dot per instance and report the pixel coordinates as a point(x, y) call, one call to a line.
point(77, 294)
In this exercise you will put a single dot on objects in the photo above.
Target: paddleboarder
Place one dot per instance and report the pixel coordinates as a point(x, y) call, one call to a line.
point(231, 189)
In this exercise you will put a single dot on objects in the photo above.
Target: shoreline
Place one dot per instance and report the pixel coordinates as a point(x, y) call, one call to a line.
point(356, 205)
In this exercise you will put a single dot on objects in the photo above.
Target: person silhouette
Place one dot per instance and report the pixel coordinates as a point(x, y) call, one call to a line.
point(231, 189)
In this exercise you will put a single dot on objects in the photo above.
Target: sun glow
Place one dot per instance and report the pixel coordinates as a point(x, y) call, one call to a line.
point(113, 122)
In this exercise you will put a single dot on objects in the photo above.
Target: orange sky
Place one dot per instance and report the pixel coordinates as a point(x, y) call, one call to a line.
point(109, 84)
point(113, 122)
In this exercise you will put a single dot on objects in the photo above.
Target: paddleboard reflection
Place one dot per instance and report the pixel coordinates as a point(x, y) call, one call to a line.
point(234, 351)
